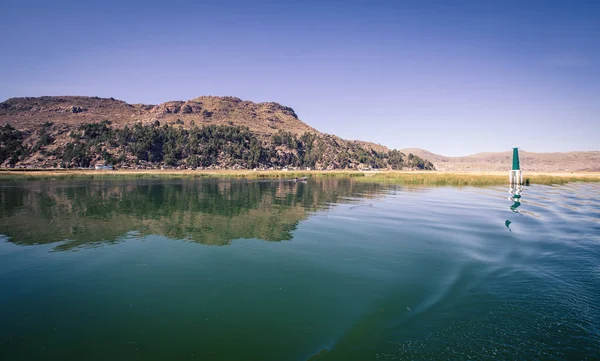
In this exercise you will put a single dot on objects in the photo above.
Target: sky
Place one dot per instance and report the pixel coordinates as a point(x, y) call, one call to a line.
point(452, 77)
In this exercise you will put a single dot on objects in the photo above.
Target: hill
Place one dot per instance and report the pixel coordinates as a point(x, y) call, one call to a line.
point(500, 161)
point(262, 118)
point(205, 132)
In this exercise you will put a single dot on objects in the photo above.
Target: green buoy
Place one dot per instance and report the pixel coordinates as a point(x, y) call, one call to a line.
point(515, 175)
point(516, 165)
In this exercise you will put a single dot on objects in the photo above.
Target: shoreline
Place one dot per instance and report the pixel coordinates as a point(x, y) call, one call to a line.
point(400, 177)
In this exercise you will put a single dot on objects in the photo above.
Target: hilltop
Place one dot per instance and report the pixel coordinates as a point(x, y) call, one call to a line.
point(205, 132)
point(500, 161)
point(262, 118)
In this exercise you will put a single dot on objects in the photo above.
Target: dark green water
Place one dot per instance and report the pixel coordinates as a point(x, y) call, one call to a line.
point(326, 270)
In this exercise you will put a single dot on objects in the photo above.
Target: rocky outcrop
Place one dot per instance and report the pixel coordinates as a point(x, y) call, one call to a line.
point(263, 118)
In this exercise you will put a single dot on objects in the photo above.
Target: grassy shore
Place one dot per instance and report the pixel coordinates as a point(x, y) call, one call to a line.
point(412, 178)
point(152, 173)
point(477, 178)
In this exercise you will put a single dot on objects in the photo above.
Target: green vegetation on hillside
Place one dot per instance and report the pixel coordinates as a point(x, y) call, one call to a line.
point(218, 146)
point(11, 145)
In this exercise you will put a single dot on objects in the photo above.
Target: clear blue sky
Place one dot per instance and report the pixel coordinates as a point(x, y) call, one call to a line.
point(453, 77)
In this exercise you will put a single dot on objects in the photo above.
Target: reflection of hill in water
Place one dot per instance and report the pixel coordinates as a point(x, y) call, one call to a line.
point(207, 212)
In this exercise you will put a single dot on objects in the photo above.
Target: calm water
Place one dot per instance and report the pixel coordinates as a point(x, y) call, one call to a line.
point(326, 270)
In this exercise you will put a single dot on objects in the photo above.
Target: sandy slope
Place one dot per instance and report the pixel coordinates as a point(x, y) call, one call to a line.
point(501, 161)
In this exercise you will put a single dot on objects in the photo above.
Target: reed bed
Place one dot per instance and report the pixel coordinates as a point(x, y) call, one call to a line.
point(473, 179)
point(553, 179)
point(398, 177)
point(436, 179)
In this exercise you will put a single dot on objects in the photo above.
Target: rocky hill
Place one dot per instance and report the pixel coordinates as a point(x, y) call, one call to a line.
point(501, 161)
point(205, 132)
point(261, 118)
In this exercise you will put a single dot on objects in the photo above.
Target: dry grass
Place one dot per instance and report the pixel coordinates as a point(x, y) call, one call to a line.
point(412, 178)
point(129, 174)
point(475, 179)
point(437, 179)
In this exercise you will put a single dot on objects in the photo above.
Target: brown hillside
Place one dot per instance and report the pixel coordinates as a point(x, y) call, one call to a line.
point(261, 118)
point(501, 161)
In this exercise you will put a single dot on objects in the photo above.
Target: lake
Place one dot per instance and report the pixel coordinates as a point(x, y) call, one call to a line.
point(329, 269)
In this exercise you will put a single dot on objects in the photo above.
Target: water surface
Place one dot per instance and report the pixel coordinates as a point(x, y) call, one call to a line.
point(331, 269)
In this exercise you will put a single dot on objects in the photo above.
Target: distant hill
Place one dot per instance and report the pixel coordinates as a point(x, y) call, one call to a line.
point(205, 132)
point(501, 161)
